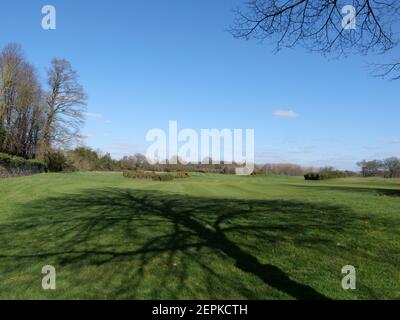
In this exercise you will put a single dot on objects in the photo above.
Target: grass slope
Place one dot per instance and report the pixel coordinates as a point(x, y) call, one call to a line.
point(206, 237)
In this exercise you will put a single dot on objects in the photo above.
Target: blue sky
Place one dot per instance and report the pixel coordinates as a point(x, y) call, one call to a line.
point(144, 63)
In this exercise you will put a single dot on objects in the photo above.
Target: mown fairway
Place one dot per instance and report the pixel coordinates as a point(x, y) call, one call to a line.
point(206, 237)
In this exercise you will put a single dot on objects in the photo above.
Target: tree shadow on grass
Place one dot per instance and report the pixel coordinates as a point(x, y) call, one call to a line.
point(377, 191)
point(97, 227)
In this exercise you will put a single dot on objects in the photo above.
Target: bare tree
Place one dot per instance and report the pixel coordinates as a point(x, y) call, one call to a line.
point(65, 105)
point(392, 167)
point(387, 70)
point(31, 121)
point(21, 112)
point(371, 168)
point(11, 59)
point(324, 25)
point(28, 116)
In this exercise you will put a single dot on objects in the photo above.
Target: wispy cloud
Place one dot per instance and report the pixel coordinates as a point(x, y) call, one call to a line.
point(372, 148)
point(122, 145)
point(285, 114)
point(97, 116)
point(119, 149)
point(394, 141)
point(93, 115)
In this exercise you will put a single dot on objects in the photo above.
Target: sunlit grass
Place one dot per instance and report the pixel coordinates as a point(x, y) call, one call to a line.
point(206, 237)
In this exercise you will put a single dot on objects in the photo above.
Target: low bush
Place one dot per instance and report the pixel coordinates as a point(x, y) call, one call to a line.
point(56, 161)
point(312, 176)
point(5, 159)
point(15, 166)
point(148, 175)
point(326, 173)
point(163, 177)
point(182, 174)
point(135, 174)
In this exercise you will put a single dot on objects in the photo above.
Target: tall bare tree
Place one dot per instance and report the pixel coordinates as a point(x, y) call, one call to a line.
point(31, 121)
point(28, 115)
point(11, 59)
point(21, 112)
point(65, 106)
point(325, 26)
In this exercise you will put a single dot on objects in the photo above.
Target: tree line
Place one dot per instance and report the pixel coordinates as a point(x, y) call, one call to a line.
point(388, 168)
point(36, 119)
point(87, 159)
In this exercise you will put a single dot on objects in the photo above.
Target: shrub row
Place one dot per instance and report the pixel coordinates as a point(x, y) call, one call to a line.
point(312, 176)
point(182, 174)
point(12, 166)
point(151, 175)
point(335, 174)
point(145, 175)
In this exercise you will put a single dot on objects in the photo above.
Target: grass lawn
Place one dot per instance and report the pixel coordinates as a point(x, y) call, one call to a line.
point(206, 237)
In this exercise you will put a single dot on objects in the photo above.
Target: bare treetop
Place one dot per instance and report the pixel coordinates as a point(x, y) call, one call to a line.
point(320, 25)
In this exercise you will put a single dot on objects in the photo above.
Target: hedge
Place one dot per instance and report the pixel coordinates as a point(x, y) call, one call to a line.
point(324, 175)
point(146, 175)
point(151, 175)
point(182, 174)
point(312, 176)
point(17, 166)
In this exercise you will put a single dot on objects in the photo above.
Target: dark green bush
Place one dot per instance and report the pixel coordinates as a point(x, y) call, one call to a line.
point(10, 162)
point(5, 159)
point(324, 174)
point(312, 176)
point(3, 133)
point(16, 166)
point(55, 161)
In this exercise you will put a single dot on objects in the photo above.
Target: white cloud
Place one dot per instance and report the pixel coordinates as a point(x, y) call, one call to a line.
point(285, 114)
point(97, 116)
point(93, 115)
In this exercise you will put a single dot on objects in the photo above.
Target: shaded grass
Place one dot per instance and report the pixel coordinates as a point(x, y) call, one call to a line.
point(207, 237)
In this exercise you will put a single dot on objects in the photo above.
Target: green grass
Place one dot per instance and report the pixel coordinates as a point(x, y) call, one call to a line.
point(206, 237)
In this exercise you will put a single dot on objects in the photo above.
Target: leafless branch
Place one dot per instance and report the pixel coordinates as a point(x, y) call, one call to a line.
point(321, 25)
